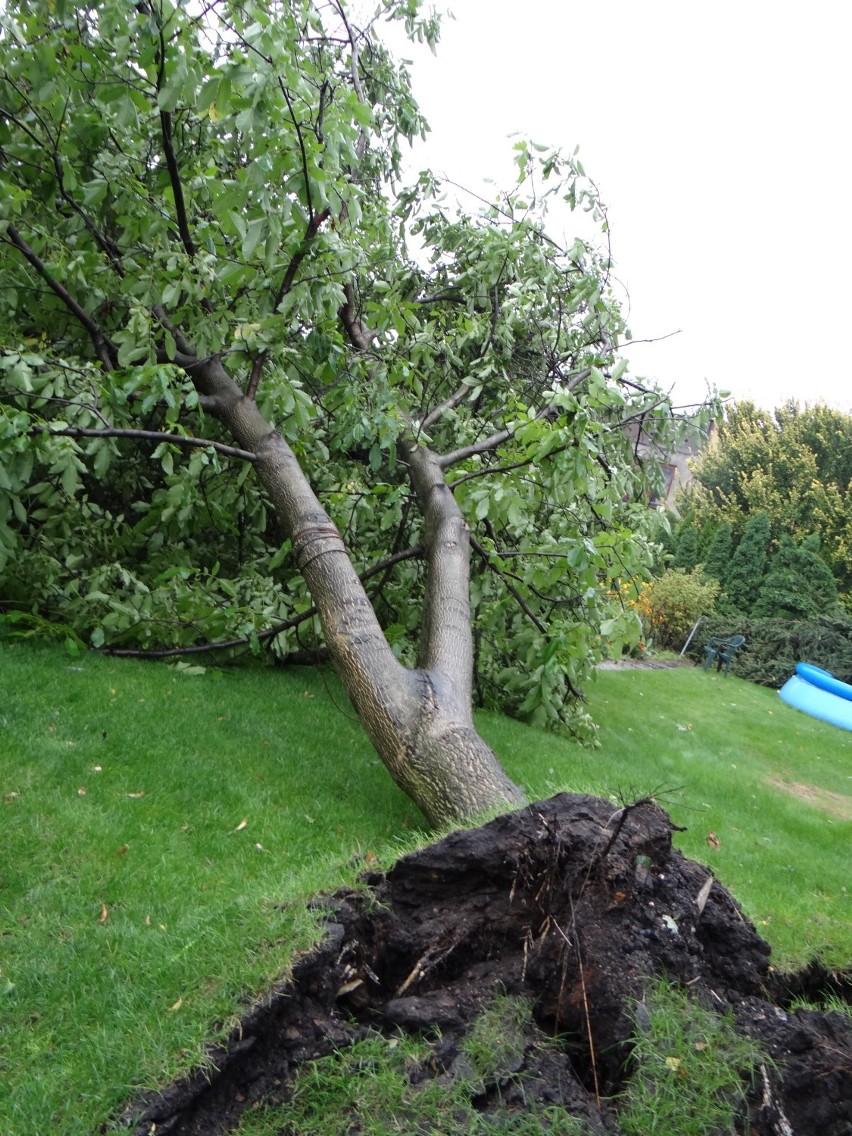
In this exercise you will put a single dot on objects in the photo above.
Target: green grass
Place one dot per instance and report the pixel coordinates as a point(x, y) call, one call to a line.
point(160, 831)
point(139, 913)
point(690, 1069)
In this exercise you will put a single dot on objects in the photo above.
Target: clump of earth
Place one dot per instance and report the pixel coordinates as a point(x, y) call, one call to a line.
point(577, 907)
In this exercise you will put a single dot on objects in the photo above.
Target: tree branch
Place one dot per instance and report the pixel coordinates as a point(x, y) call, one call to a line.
point(446, 641)
point(263, 636)
point(519, 599)
point(448, 404)
point(104, 349)
point(484, 446)
point(314, 225)
point(177, 187)
point(360, 336)
point(487, 444)
point(146, 435)
point(513, 591)
point(496, 469)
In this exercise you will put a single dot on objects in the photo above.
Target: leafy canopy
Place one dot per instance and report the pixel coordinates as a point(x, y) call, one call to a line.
point(180, 182)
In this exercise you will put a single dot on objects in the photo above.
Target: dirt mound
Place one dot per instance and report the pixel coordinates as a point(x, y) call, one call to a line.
point(574, 905)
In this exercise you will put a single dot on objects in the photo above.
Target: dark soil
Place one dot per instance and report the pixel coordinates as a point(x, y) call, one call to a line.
point(570, 903)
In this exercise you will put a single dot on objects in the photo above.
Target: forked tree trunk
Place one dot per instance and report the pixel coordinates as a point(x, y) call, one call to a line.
point(420, 721)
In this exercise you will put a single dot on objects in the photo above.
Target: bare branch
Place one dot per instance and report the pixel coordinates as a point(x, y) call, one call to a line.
point(448, 404)
point(484, 446)
point(652, 339)
point(360, 336)
point(146, 435)
point(104, 349)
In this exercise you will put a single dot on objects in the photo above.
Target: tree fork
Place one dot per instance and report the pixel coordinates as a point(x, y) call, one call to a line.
point(420, 722)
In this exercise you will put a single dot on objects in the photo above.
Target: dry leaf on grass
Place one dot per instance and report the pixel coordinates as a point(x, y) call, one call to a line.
point(241, 825)
point(102, 918)
point(713, 841)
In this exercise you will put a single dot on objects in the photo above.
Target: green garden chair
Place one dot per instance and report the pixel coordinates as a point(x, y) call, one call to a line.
point(722, 650)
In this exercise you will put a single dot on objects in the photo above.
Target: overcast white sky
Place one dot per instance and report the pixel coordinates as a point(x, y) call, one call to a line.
point(719, 136)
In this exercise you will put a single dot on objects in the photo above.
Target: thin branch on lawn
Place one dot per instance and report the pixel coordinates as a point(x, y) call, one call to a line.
point(262, 636)
point(146, 435)
point(103, 348)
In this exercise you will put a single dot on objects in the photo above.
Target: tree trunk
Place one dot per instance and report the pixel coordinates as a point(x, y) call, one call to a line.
point(420, 721)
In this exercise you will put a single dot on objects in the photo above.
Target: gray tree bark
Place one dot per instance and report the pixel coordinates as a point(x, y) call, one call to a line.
point(420, 721)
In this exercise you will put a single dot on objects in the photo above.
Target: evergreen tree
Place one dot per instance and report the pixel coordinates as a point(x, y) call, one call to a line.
point(748, 564)
point(717, 562)
point(798, 583)
point(686, 547)
point(794, 463)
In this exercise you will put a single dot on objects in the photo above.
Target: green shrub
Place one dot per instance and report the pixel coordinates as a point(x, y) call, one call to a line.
point(670, 605)
point(774, 646)
point(798, 584)
point(686, 554)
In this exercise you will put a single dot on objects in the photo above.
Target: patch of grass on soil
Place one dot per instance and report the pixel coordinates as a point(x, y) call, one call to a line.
point(690, 1068)
point(382, 1086)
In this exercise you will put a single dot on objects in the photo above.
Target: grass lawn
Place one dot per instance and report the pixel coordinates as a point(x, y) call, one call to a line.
point(161, 830)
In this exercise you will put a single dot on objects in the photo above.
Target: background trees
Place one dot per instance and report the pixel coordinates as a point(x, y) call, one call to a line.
point(768, 518)
point(794, 464)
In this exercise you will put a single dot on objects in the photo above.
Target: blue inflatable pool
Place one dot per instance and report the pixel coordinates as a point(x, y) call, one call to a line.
point(820, 694)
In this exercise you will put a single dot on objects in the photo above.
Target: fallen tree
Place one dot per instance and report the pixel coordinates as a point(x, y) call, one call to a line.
point(207, 271)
